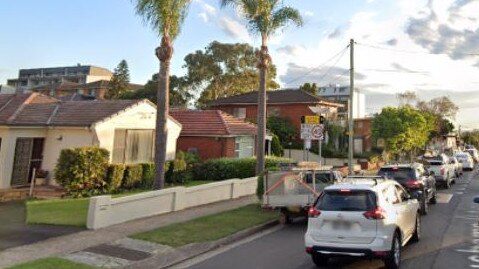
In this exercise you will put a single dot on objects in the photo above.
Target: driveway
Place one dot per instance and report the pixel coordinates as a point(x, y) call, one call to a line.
point(15, 232)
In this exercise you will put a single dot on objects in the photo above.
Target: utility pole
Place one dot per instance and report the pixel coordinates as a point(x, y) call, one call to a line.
point(351, 101)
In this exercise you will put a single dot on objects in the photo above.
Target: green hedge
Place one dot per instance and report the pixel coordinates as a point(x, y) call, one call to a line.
point(82, 171)
point(115, 176)
point(227, 168)
point(133, 176)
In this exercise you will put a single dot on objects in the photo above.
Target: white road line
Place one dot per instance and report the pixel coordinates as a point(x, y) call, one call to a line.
point(460, 193)
point(443, 198)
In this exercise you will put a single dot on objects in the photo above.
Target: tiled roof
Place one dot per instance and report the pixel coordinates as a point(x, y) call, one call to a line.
point(64, 85)
point(39, 110)
point(211, 123)
point(273, 97)
point(103, 84)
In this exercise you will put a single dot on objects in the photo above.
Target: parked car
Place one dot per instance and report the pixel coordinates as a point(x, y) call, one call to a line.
point(474, 154)
point(368, 217)
point(458, 167)
point(418, 182)
point(466, 160)
point(442, 169)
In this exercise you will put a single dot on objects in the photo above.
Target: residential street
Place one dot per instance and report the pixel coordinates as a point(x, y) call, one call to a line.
point(447, 240)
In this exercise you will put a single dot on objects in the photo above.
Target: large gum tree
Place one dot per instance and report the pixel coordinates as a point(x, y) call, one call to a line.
point(166, 18)
point(264, 18)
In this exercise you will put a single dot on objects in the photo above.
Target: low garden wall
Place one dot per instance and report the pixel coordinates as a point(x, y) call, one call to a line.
point(105, 211)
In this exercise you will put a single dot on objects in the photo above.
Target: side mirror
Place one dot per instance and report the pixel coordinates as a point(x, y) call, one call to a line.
point(476, 200)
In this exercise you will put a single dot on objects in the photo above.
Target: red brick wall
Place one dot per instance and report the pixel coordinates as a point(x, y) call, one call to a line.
point(292, 112)
point(208, 147)
point(363, 129)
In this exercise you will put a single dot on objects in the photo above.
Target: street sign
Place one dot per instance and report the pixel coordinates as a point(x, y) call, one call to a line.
point(312, 131)
point(311, 119)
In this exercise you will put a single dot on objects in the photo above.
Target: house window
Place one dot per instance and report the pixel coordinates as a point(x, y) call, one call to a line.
point(133, 146)
point(273, 111)
point(244, 146)
point(239, 112)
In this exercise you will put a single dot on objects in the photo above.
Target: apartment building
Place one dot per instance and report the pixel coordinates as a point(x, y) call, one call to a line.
point(80, 74)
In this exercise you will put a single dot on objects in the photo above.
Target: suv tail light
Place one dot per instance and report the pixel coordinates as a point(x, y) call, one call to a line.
point(442, 171)
point(413, 184)
point(377, 213)
point(313, 212)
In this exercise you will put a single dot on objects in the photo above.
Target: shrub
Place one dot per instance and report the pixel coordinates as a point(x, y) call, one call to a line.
point(133, 176)
point(227, 168)
point(114, 176)
point(282, 127)
point(276, 147)
point(82, 171)
point(148, 175)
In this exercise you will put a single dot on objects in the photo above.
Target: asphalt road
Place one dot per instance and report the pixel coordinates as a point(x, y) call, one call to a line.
point(450, 239)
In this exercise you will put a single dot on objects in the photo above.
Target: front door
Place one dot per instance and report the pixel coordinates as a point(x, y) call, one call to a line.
point(28, 155)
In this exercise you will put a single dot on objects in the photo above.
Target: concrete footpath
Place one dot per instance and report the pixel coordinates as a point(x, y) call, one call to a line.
point(109, 242)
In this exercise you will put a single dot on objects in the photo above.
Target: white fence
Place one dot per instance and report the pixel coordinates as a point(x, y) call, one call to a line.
point(104, 211)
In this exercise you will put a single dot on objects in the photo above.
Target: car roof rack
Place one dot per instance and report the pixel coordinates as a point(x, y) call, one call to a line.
point(375, 178)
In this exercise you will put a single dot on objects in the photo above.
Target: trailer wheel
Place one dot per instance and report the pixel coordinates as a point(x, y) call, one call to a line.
point(285, 218)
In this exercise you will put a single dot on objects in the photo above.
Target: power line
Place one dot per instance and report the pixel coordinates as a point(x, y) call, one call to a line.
point(412, 52)
point(340, 53)
point(336, 79)
point(331, 67)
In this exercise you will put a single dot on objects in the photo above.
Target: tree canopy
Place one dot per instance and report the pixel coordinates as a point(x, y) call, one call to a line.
point(309, 88)
point(179, 95)
point(222, 70)
point(119, 81)
point(403, 129)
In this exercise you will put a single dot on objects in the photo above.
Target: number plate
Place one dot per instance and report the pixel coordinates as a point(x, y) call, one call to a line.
point(341, 225)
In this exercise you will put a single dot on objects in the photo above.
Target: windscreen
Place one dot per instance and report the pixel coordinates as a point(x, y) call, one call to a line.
point(347, 201)
point(400, 174)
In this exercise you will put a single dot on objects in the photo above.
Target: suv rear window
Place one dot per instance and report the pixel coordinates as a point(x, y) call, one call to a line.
point(400, 174)
point(347, 201)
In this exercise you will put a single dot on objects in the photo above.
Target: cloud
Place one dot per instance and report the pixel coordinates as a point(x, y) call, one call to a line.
point(291, 50)
point(204, 17)
point(403, 69)
point(297, 75)
point(234, 29)
point(308, 13)
point(336, 33)
point(392, 42)
point(207, 11)
point(447, 31)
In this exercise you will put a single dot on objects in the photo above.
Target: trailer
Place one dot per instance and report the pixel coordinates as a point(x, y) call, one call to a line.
point(295, 189)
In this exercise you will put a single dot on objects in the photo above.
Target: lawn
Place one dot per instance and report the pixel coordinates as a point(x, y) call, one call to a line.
point(50, 263)
point(72, 212)
point(209, 228)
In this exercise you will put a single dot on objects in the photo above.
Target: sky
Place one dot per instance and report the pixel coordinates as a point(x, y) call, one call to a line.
point(427, 46)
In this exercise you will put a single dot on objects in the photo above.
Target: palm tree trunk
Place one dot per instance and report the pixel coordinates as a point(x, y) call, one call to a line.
point(263, 63)
point(164, 54)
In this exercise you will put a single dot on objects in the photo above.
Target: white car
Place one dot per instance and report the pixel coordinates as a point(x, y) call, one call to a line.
point(466, 160)
point(458, 167)
point(362, 217)
point(474, 154)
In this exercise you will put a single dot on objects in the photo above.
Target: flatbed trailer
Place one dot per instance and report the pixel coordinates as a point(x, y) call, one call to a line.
point(293, 191)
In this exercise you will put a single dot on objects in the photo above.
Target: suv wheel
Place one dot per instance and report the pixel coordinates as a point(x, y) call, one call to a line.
point(393, 259)
point(448, 183)
point(434, 197)
point(320, 259)
point(424, 205)
point(417, 231)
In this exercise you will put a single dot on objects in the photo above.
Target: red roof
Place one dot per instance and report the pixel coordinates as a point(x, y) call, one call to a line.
point(211, 123)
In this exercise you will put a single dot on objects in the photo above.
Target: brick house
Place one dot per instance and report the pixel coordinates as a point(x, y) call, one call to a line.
point(215, 134)
point(289, 104)
point(363, 135)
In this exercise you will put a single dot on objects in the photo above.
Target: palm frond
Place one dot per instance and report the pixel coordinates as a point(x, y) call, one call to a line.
point(164, 16)
point(283, 17)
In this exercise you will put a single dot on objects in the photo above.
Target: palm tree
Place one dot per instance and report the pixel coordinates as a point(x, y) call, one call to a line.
point(264, 17)
point(166, 18)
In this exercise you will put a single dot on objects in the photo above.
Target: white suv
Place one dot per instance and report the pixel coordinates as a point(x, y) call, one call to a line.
point(362, 217)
